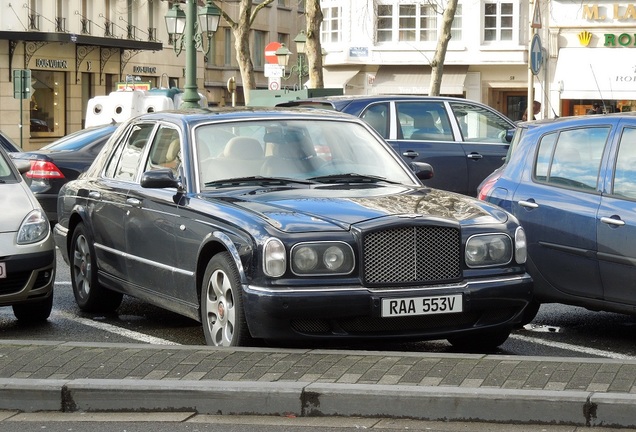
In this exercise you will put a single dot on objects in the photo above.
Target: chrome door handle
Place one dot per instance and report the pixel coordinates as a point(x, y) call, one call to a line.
point(133, 202)
point(612, 221)
point(528, 204)
point(474, 156)
point(94, 195)
point(410, 154)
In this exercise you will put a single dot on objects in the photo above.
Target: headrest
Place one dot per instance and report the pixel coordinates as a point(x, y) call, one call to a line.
point(243, 148)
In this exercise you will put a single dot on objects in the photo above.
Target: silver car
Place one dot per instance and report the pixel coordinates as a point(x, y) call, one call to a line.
point(27, 252)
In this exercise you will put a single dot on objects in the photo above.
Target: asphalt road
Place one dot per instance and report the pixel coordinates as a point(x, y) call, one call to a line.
point(557, 331)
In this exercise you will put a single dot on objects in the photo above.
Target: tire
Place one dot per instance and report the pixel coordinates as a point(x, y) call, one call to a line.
point(222, 314)
point(34, 311)
point(90, 296)
point(480, 342)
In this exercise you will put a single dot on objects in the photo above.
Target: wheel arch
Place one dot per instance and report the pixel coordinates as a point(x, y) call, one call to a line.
point(218, 242)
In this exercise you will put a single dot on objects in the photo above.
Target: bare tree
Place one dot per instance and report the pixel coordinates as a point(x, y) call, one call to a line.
point(241, 30)
point(313, 49)
point(437, 64)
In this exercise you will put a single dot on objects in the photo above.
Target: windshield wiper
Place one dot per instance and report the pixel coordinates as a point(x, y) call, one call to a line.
point(257, 179)
point(351, 178)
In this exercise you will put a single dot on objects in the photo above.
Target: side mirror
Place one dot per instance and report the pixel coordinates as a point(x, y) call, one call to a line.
point(422, 170)
point(509, 134)
point(159, 179)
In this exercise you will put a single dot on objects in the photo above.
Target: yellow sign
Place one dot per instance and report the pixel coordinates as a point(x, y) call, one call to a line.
point(134, 86)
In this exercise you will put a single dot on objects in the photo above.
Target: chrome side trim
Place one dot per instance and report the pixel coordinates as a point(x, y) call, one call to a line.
point(508, 279)
point(143, 260)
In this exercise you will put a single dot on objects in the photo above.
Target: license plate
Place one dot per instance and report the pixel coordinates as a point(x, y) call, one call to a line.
point(422, 305)
point(3, 270)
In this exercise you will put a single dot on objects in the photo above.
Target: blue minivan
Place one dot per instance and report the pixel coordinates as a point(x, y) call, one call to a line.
point(571, 182)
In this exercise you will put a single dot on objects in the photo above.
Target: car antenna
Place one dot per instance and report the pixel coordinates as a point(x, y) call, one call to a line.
point(598, 88)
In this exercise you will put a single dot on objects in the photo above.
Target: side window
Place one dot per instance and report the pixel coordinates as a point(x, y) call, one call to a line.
point(625, 169)
point(423, 121)
point(165, 151)
point(479, 124)
point(126, 161)
point(574, 158)
point(377, 116)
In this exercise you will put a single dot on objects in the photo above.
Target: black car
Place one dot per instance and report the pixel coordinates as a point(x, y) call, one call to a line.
point(463, 140)
point(232, 218)
point(8, 145)
point(61, 161)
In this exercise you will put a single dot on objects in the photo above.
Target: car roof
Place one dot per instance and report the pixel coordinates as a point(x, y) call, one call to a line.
point(343, 100)
point(563, 122)
point(196, 115)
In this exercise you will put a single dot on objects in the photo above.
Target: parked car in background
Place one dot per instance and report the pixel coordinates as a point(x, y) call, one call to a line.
point(571, 183)
point(463, 140)
point(63, 160)
point(8, 145)
point(27, 252)
point(266, 239)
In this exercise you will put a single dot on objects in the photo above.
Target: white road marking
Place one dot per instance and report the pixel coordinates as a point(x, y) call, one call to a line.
point(575, 348)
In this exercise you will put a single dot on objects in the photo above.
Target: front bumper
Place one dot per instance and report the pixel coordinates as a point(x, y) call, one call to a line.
point(29, 277)
point(355, 312)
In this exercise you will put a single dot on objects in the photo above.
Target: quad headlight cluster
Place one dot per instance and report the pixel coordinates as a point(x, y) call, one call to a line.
point(487, 250)
point(309, 259)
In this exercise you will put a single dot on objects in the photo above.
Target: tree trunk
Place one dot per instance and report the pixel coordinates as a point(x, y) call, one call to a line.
point(313, 49)
point(437, 65)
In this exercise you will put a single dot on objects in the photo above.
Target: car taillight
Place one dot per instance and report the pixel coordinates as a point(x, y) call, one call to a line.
point(44, 170)
point(487, 187)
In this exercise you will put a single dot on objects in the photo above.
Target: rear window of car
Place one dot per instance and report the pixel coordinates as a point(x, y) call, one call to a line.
point(6, 174)
point(79, 139)
point(571, 158)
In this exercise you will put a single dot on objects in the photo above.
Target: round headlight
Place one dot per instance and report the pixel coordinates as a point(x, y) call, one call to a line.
point(305, 258)
point(498, 249)
point(333, 258)
point(477, 251)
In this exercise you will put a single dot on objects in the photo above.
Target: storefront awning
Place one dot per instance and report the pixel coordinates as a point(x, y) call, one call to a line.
point(596, 73)
point(416, 80)
point(338, 78)
point(109, 42)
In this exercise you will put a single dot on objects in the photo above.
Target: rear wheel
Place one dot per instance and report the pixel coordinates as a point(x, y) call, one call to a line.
point(222, 312)
point(89, 294)
point(477, 342)
point(35, 311)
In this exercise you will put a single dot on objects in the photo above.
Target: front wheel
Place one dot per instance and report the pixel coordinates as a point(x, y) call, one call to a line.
point(90, 296)
point(35, 311)
point(222, 312)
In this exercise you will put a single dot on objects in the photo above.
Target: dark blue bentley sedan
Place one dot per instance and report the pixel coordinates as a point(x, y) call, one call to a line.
point(288, 225)
point(571, 183)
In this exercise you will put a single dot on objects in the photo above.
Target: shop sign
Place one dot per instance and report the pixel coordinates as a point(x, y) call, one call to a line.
point(145, 69)
point(623, 39)
point(51, 63)
point(603, 13)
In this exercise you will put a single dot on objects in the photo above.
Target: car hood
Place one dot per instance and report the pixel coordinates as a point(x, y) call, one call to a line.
point(333, 207)
point(16, 202)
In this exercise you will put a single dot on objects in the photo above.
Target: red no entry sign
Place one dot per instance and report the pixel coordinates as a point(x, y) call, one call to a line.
point(270, 52)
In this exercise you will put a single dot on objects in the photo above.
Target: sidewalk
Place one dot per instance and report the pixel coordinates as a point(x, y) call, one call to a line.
point(64, 376)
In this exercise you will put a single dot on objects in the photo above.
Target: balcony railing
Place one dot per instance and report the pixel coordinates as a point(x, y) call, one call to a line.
point(86, 26)
point(152, 34)
point(109, 29)
point(34, 21)
point(60, 24)
point(131, 31)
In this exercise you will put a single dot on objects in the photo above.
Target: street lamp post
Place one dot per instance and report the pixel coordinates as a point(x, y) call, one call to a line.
point(183, 28)
point(282, 55)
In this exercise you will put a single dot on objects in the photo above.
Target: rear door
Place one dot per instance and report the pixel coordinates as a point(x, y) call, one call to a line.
point(483, 136)
point(424, 133)
point(616, 222)
point(557, 206)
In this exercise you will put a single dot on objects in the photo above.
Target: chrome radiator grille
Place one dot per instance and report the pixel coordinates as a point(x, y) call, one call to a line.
point(412, 255)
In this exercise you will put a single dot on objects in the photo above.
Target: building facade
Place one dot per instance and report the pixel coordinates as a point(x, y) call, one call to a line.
point(57, 54)
point(592, 56)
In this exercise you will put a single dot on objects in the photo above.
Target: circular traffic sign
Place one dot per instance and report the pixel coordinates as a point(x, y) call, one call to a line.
point(536, 54)
point(270, 52)
point(274, 85)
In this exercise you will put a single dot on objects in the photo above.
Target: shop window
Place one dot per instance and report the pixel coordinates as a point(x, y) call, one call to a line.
point(47, 103)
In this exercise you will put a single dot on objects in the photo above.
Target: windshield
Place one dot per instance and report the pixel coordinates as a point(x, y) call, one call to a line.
point(318, 150)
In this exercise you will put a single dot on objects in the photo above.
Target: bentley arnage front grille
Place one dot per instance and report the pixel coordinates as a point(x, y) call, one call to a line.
point(412, 255)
